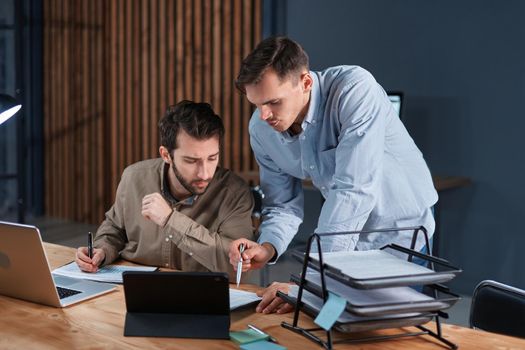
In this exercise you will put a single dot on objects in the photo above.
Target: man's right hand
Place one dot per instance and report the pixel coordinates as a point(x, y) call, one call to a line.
point(255, 255)
point(87, 264)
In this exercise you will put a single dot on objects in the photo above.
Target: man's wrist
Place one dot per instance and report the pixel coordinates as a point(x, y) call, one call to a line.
point(167, 218)
point(270, 249)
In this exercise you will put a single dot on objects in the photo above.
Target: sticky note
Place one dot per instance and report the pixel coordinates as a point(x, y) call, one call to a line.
point(262, 345)
point(332, 309)
point(247, 336)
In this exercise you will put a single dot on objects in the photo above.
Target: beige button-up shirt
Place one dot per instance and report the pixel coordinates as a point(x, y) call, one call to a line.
point(196, 236)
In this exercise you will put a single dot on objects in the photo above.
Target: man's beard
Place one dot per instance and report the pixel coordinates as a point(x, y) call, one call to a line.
point(186, 184)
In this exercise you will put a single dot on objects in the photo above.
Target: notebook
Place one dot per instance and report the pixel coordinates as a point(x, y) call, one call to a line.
point(25, 272)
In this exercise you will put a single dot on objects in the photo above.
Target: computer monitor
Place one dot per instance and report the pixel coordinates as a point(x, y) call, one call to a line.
point(396, 97)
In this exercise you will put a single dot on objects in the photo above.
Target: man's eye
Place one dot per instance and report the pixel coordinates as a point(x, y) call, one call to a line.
point(274, 103)
point(190, 161)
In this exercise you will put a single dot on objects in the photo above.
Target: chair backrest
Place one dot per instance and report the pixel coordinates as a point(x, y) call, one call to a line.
point(258, 196)
point(498, 308)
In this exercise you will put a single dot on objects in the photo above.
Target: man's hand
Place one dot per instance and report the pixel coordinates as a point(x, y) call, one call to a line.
point(87, 264)
point(254, 256)
point(156, 209)
point(271, 302)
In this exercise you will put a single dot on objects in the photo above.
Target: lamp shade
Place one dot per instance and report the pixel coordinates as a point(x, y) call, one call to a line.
point(8, 107)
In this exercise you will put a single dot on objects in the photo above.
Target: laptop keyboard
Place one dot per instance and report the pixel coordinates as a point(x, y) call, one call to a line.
point(64, 292)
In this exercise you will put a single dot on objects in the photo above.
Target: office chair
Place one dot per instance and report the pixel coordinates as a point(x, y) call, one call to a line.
point(498, 308)
point(258, 196)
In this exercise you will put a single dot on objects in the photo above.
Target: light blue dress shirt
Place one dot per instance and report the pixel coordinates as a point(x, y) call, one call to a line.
point(357, 152)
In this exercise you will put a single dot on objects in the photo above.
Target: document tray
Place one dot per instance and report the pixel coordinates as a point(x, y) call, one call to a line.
point(349, 323)
point(380, 268)
point(379, 302)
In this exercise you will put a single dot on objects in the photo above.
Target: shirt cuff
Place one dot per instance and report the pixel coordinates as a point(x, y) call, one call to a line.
point(278, 244)
point(178, 225)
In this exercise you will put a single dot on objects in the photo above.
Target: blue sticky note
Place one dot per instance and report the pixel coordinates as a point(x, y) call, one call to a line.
point(247, 336)
point(262, 345)
point(332, 309)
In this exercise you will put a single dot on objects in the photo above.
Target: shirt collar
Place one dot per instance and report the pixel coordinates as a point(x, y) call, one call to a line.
point(315, 95)
point(166, 193)
point(312, 110)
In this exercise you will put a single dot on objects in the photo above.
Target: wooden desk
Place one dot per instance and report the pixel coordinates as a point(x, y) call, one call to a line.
point(98, 324)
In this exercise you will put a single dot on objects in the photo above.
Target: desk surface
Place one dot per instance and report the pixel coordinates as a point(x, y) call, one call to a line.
point(98, 323)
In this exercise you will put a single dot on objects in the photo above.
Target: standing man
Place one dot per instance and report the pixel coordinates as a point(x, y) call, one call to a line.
point(179, 211)
point(338, 128)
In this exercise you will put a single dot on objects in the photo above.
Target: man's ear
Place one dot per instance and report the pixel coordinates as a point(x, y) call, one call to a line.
point(165, 154)
point(307, 81)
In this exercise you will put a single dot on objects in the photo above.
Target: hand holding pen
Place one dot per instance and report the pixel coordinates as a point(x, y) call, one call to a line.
point(89, 258)
point(254, 256)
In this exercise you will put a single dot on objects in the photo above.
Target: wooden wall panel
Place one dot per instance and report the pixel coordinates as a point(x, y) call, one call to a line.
point(110, 70)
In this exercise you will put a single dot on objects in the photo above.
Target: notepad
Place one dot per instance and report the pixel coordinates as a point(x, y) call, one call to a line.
point(247, 336)
point(108, 273)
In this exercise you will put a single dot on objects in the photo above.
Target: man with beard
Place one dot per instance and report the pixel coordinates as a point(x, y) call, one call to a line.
point(178, 211)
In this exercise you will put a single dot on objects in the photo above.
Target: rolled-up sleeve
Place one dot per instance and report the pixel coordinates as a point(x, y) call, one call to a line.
point(282, 204)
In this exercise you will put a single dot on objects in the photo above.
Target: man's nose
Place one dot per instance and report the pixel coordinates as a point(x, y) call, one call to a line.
point(266, 113)
point(203, 171)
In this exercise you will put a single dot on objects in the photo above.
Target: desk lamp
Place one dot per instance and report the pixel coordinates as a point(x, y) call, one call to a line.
point(8, 107)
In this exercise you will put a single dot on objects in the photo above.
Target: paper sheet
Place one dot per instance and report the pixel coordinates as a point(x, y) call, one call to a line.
point(109, 273)
point(240, 298)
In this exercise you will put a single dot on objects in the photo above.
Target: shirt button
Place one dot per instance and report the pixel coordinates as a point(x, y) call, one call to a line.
point(167, 265)
point(314, 121)
point(167, 239)
point(312, 167)
point(323, 188)
point(191, 254)
point(303, 137)
point(170, 236)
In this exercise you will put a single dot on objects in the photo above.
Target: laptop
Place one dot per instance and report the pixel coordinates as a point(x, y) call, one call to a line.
point(177, 304)
point(25, 272)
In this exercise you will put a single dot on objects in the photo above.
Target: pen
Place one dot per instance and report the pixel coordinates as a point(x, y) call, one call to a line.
point(272, 339)
point(90, 245)
point(239, 264)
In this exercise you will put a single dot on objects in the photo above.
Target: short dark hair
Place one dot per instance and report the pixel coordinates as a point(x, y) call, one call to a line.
point(282, 54)
point(197, 119)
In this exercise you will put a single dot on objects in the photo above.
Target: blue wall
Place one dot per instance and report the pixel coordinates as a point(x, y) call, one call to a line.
point(461, 65)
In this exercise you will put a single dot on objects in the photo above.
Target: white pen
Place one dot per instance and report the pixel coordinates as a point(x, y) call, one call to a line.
point(272, 339)
point(239, 264)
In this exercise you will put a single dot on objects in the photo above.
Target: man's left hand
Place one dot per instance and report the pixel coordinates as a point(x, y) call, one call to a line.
point(271, 302)
point(156, 209)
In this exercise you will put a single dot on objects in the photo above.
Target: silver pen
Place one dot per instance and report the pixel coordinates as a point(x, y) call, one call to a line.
point(272, 339)
point(239, 264)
